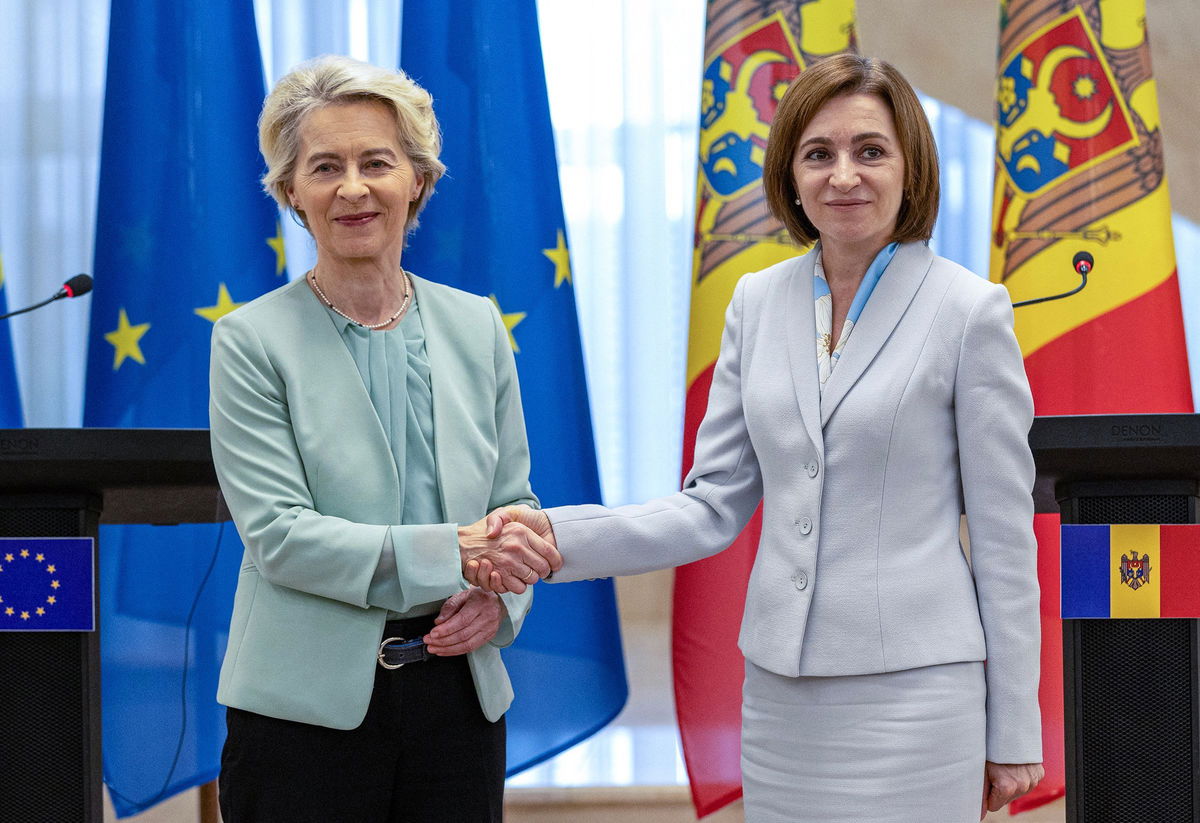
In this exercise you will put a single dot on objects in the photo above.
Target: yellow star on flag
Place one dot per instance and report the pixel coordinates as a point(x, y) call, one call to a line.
point(125, 340)
point(40, 557)
point(561, 258)
point(24, 552)
point(8, 557)
point(54, 584)
point(510, 322)
point(224, 306)
point(40, 611)
point(24, 615)
point(51, 600)
point(51, 568)
point(276, 243)
point(9, 611)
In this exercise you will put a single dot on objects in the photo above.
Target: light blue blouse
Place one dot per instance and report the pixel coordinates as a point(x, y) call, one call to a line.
point(827, 356)
point(395, 371)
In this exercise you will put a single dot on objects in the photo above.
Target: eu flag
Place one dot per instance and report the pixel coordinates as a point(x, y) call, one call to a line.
point(495, 227)
point(184, 235)
point(10, 396)
point(46, 584)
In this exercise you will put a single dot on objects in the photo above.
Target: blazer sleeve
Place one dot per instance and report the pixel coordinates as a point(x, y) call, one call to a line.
point(510, 486)
point(719, 495)
point(263, 479)
point(993, 413)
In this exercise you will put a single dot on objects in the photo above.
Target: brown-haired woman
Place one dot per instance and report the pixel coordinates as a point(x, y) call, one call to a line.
point(868, 393)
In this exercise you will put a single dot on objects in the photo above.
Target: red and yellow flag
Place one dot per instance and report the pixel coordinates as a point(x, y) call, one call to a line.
point(753, 50)
point(1130, 571)
point(1079, 167)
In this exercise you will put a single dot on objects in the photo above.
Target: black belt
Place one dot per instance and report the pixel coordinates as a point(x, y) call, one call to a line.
point(402, 641)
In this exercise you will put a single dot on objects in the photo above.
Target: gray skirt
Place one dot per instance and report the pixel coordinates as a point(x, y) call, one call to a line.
point(899, 747)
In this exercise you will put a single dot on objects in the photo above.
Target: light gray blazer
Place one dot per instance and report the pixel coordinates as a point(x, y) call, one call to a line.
point(306, 469)
point(859, 568)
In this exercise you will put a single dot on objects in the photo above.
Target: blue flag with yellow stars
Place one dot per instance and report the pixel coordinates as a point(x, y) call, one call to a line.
point(184, 235)
point(10, 395)
point(495, 227)
point(46, 584)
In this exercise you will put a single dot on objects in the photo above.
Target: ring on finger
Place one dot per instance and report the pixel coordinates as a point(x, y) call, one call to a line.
point(532, 574)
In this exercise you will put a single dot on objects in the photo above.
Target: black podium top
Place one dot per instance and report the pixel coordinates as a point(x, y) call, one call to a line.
point(140, 475)
point(1089, 447)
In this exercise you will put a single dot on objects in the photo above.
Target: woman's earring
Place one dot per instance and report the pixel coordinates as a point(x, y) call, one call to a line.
point(797, 201)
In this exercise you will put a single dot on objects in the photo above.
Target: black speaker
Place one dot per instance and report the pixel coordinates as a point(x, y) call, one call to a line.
point(50, 689)
point(1132, 714)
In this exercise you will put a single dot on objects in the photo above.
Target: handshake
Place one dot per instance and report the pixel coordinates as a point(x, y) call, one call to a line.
point(509, 550)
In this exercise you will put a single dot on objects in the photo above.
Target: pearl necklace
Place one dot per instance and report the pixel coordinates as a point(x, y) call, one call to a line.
point(312, 278)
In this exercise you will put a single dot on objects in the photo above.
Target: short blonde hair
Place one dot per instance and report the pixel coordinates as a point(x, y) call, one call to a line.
point(333, 79)
point(837, 76)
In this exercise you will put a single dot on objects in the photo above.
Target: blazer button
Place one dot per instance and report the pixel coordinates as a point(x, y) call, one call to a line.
point(801, 580)
point(805, 525)
point(811, 468)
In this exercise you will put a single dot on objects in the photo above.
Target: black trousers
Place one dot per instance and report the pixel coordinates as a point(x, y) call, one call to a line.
point(425, 753)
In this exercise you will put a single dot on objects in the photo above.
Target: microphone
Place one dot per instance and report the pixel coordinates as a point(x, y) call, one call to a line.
point(1083, 264)
point(81, 284)
point(77, 285)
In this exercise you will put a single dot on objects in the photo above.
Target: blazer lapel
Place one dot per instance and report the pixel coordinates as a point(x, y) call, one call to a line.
point(801, 325)
point(889, 301)
point(449, 409)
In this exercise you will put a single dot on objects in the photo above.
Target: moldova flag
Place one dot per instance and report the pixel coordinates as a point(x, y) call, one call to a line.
point(1130, 571)
point(752, 51)
point(1079, 167)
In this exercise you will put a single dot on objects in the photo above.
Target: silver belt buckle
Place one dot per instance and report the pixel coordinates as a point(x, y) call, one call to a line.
point(384, 642)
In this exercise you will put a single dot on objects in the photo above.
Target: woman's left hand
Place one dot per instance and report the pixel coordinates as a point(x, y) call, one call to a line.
point(1003, 782)
point(467, 621)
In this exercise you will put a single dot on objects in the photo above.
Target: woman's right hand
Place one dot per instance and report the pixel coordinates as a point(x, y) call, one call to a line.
point(505, 556)
point(533, 519)
point(1003, 782)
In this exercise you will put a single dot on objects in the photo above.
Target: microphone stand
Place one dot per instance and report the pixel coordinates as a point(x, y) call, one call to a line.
point(34, 306)
point(77, 286)
point(1082, 282)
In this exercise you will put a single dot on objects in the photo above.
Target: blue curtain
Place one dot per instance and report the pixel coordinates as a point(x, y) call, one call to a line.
point(183, 235)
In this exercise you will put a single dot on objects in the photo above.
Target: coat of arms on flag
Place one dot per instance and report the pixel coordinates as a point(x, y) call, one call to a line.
point(1135, 571)
point(1059, 109)
point(742, 86)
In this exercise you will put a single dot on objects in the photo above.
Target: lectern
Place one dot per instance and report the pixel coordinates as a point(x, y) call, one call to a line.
point(65, 483)
point(1132, 702)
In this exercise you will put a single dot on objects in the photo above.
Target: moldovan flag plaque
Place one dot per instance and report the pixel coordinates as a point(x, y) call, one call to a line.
point(47, 584)
point(1124, 571)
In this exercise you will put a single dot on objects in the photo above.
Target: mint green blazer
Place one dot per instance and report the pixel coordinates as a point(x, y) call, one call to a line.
point(306, 470)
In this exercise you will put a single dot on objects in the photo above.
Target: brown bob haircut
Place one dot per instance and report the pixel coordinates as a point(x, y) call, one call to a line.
point(837, 76)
